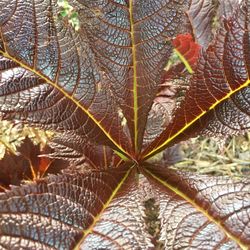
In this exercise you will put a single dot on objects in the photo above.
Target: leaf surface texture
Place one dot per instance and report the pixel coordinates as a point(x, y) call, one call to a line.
point(201, 212)
point(219, 89)
point(85, 210)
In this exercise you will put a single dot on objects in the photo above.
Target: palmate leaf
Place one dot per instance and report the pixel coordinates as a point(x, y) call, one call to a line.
point(97, 85)
point(219, 90)
point(89, 210)
point(200, 212)
point(115, 59)
point(103, 210)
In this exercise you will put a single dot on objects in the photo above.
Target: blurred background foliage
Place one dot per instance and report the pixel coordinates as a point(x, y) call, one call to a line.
point(204, 155)
point(12, 135)
point(68, 13)
point(216, 157)
point(23, 154)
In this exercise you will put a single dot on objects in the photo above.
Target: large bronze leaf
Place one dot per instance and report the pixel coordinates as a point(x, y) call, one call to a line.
point(103, 210)
point(219, 90)
point(89, 210)
point(86, 81)
point(201, 212)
